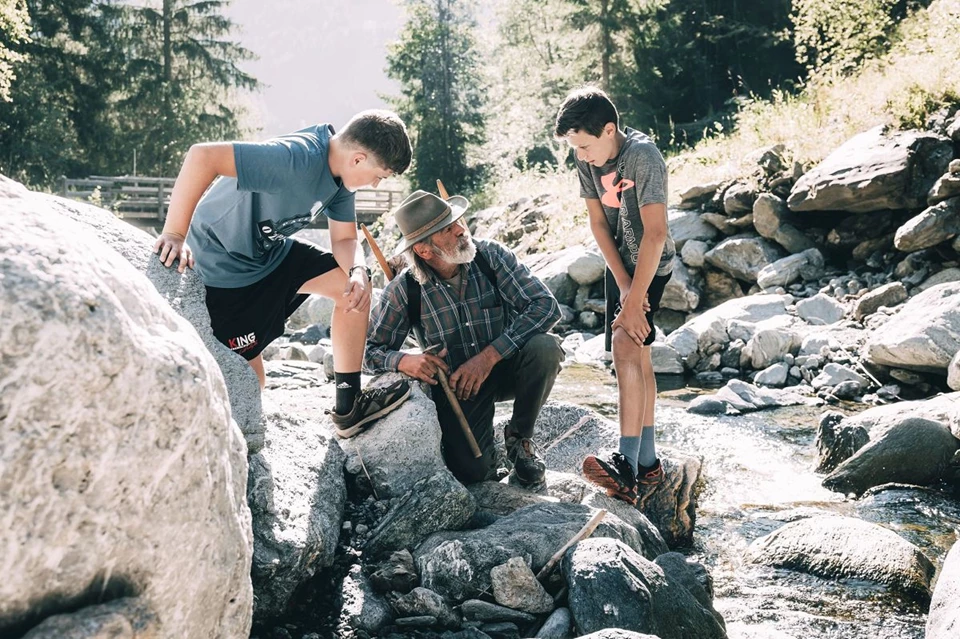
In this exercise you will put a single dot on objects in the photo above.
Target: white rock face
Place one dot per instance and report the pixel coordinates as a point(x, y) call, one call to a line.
point(953, 373)
point(820, 309)
point(586, 268)
point(687, 226)
point(119, 462)
point(744, 257)
point(791, 268)
point(710, 328)
point(681, 293)
point(923, 336)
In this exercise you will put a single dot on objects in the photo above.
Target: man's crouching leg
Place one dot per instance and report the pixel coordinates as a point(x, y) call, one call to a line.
point(456, 449)
point(530, 378)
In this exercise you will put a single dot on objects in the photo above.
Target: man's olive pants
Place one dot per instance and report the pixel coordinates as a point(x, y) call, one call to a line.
point(527, 377)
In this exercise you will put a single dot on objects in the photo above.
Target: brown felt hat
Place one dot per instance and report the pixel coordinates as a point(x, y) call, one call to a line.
point(422, 214)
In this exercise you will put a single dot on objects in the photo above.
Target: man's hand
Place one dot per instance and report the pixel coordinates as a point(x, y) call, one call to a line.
point(357, 291)
point(424, 367)
point(171, 246)
point(467, 380)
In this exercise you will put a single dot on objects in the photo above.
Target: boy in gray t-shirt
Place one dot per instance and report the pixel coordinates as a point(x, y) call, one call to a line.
point(237, 236)
point(623, 179)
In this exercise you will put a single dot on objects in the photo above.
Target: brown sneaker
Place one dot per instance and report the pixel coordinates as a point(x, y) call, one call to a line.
point(370, 405)
point(650, 475)
point(614, 473)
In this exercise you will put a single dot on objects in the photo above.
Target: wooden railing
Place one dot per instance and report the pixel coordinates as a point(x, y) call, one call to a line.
point(143, 201)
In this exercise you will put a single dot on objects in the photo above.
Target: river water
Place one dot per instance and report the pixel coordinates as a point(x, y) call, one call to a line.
point(758, 472)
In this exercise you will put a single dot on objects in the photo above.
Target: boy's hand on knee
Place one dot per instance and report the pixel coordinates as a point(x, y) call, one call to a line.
point(634, 325)
point(357, 292)
point(171, 246)
point(423, 367)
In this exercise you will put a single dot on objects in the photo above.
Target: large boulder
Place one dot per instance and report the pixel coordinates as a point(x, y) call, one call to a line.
point(682, 292)
point(807, 265)
point(938, 409)
point(708, 329)
point(888, 295)
point(610, 585)
point(936, 224)
point(874, 171)
point(457, 564)
point(943, 622)
point(744, 257)
point(913, 451)
point(553, 269)
point(923, 336)
point(121, 471)
point(184, 293)
point(953, 372)
point(296, 492)
point(834, 547)
point(403, 447)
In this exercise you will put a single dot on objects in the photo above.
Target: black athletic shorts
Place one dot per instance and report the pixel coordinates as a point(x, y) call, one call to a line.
point(248, 318)
point(612, 294)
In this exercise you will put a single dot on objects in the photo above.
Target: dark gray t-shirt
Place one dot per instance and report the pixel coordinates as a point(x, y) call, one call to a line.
point(241, 227)
point(633, 179)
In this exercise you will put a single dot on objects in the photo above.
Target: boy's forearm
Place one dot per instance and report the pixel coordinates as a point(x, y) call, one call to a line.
point(648, 261)
point(608, 248)
point(347, 252)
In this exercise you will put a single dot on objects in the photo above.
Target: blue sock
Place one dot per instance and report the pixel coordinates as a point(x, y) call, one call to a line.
point(629, 448)
point(647, 456)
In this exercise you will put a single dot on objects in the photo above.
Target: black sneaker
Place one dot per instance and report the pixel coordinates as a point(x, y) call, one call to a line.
point(528, 466)
point(371, 404)
point(614, 473)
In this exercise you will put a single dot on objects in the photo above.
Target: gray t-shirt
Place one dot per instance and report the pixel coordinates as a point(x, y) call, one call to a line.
point(241, 227)
point(633, 179)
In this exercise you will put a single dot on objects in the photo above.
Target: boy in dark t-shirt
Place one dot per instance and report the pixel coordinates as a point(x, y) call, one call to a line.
point(623, 179)
point(237, 236)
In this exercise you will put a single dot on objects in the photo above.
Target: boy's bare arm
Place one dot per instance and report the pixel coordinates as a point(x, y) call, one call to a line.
point(632, 319)
point(346, 250)
point(608, 248)
point(201, 166)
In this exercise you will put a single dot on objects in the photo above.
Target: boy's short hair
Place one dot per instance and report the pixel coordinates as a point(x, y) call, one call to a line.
point(586, 109)
point(383, 134)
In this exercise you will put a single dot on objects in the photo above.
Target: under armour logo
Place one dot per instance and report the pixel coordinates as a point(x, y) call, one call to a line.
point(612, 191)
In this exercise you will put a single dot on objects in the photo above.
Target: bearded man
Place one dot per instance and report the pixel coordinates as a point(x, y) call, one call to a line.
point(484, 317)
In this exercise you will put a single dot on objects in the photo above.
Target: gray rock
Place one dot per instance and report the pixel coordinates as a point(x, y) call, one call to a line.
point(953, 372)
point(666, 360)
point(693, 576)
point(422, 621)
point(743, 257)
point(834, 547)
point(457, 565)
point(708, 405)
point(820, 309)
point(942, 277)
point(773, 375)
point(117, 619)
point(710, 327)
point(682, 292)
point(723, 223)
point(586, 268)
point(924, 336)
point(397, 573)
point(847, 390)
point(121, 465)
point(296, 492)
point(947, 186)
point(772, 219)
point(316, 311)
point(913, 451)
point(437, 503)
point(943, 622)
point(697, 195)
point(837, 442)
point(887, 295)
point(617, 633)
point(939, 409)
point(874, 171)
point(785, 271)
point(833, 374)
point(939, 223)
point(767, 346)
point(612, 586)
point(812, 345)
point(719, 287)
point(558, 625)
point(553, 269)
point(739, 198)
point(515, 586)
point(693, 253)
point(672, 505)
point(362, 608)
point(686, 226)
point(477, 610)
point(424, 602)
point(403, 447)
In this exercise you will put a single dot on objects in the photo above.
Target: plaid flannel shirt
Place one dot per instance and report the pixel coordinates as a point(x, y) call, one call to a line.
point(465, 324)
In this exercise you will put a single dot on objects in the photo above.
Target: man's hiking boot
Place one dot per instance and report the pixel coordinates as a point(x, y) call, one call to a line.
point(528, 466)
point(614, 473)
point(371, 404)
point(649, 476)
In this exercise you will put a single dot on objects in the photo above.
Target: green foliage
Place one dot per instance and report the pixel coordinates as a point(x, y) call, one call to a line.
point(105, 79)
point(910, 108)
point(838, 35)
point(14, 31)
point(437, 65)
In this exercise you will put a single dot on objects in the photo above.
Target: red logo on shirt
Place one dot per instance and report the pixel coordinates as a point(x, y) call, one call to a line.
point(612, 191)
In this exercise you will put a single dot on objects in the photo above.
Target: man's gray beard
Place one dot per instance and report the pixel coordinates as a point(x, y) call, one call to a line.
point(461, 255)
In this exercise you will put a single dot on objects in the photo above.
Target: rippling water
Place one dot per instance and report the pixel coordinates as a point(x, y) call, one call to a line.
point(758, 471)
